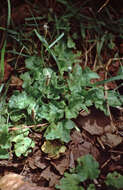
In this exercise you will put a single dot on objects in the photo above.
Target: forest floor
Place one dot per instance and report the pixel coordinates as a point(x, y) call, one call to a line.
point(96, 134)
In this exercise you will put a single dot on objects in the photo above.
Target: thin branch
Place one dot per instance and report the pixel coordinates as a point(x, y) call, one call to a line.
point(25, 127)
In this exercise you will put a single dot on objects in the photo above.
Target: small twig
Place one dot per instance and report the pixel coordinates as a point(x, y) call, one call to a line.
point(86, 60)
point(19, 56)
point(100, 142)
point(95, 62)
point(91, 47)
point(104, 5)
point(105, 163)
point(25, 127)
point(87, 52)
point(116, 151)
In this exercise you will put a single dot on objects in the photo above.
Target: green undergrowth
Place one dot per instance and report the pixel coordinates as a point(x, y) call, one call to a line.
point(51, 96)
point(57, 83)
point(85, 174)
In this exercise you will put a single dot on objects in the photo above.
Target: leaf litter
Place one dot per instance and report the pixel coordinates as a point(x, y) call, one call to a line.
point(38, 168)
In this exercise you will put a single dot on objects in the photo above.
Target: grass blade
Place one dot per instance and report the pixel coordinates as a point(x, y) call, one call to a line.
point(53, 43)
point(2, 61)
point(119, 77)
point(9, 13)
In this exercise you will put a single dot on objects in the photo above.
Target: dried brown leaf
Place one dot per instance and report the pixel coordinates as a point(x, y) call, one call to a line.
point(50, 176)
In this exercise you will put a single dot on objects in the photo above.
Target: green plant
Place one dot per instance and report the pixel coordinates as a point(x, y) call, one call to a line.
point(88, 169)
point(56, 98)
point(16, 141)
point(114, 180)
point(22, 143)
point(55, 90)
point(4, 140)
point(52, 94)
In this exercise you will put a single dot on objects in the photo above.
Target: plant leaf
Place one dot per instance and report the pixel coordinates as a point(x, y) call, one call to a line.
point(53, 149)
point(87, 168)
point(61, 131)
point(22, 142)
point(115, 180)
point(68, 182)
